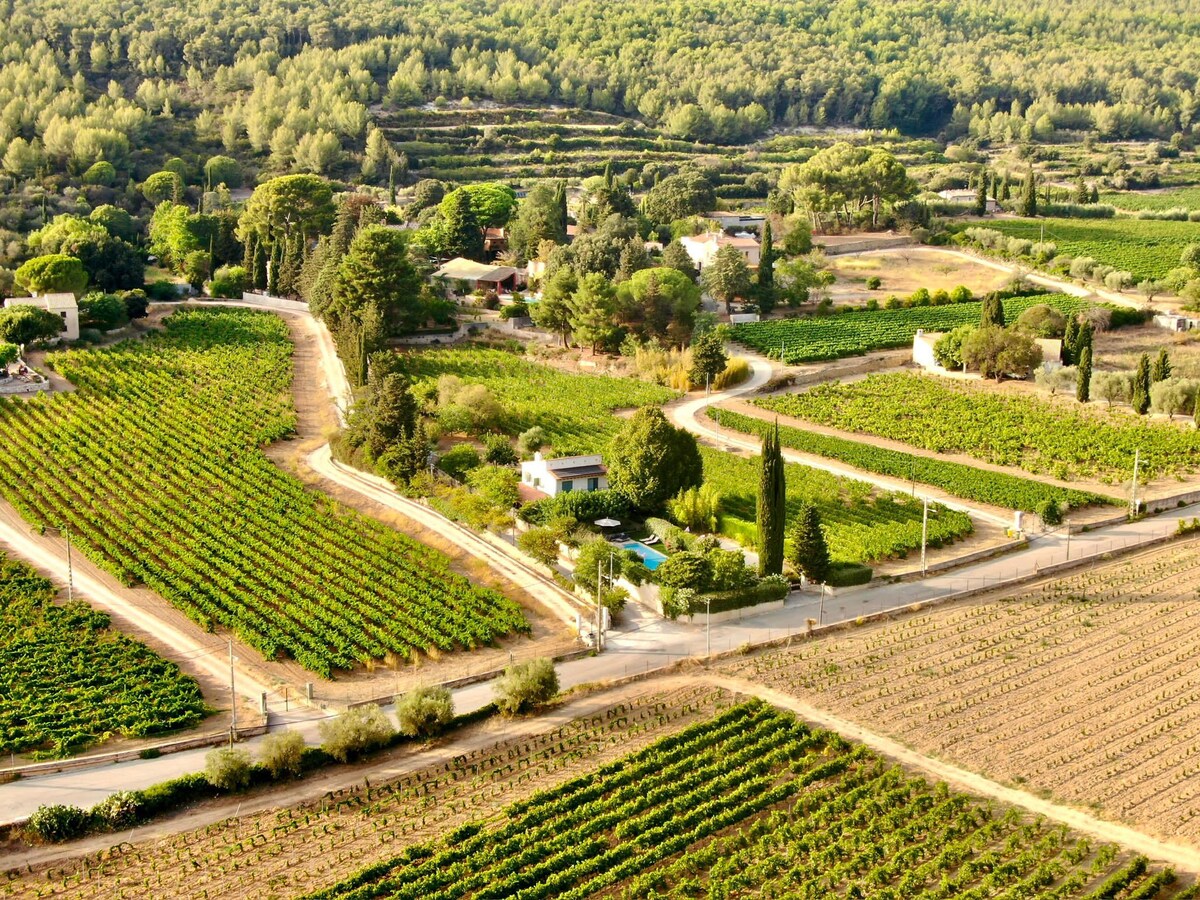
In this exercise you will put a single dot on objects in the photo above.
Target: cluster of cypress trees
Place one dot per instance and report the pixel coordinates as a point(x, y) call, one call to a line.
point(810, 553)
point(1077, 351)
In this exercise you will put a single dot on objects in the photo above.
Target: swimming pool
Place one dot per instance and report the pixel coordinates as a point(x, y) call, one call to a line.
point(651, 557)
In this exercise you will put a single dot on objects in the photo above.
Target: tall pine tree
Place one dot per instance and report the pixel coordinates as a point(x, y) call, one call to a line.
point(772, 506)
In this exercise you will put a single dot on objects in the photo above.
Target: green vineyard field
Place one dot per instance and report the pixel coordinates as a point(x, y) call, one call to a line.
point(155, 466)
point(68, 682)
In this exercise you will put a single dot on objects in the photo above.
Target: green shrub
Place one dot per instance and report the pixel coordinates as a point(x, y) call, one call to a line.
point(282, 754)
point(874, 283)
point(424, 711)
point(1050, 512)
point(584, 506)
point(227, 770)
point(499, 451)
point(119, 811)
point(162, 291)
point(229, 282)
point(847, 574)
point(354, 732)
point(58, 823)
point(168, 795)
point(459, 460)
point(541, 543)
point(526, 686)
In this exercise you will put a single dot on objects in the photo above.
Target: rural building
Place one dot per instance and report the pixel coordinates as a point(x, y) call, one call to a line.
point(966, 197)
point(737, 221)
point(1175, 322)
point(478, 275)
point(703, 247)
point(62, 305)
point(565, 474)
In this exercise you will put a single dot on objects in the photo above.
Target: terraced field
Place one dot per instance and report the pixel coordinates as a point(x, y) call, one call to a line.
point(1084, 687)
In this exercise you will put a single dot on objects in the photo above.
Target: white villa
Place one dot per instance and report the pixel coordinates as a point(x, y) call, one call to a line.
point(565, 474)
point(967, 197)
point(703, 247)
point(62, 305)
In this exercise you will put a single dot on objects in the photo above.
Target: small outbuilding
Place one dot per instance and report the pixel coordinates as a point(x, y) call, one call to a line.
point(478, 275)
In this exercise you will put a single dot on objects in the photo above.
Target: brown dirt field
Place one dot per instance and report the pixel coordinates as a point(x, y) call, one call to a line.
point(904, 270)
point(1118, 351)
point(1084, 688)
point(269, 850)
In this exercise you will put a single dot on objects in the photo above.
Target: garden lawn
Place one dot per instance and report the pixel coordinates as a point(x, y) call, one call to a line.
point(857, 332)
point(1008, 429)
point(1147, 248)
point(68, 682)
point(860, 523)
point(576, 411)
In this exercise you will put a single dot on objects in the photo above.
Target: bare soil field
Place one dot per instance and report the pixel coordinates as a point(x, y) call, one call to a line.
point(284, 851)
point(1119, 350)
point(902, 271)
point(1084, 688)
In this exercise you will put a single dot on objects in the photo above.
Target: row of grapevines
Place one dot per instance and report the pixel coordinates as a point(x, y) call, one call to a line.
point(1008, 429)
point(750, 802)
point(860, 523)
point(852, 333)
point(155, 466)
point(68, 682)
point(967, 482)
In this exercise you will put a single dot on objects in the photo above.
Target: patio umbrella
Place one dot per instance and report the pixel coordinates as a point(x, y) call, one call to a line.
point(607, 523)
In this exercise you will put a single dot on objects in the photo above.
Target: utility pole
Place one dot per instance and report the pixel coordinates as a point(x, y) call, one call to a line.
point(1133, 501)
point(232, 699)
point(924, 531)
point(599, 594)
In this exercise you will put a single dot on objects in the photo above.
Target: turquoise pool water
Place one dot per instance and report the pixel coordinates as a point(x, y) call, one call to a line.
point(651, 557)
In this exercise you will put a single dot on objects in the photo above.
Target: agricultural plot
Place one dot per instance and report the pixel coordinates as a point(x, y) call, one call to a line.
point(1135, 201)
point(68, 682)
point(1144, 247)
point(860, 523)
point(155, 466)
point(854, 333)
point(299, 849)
point(1017, 430)
point(576, 411)
point(967, 482)
point(685, 818)
point(1084, 687)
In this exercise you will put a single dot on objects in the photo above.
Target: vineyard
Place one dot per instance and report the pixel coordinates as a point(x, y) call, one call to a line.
point(853, 333)
point(860, 523)
point(155, 466)
point(1083, 687)
point(576, 411)
point(1015, 430)
point(967, 482)
point(1144, 247)
point(685, 818)
point(286, 852)
point(67, 682)
point(1179, 198)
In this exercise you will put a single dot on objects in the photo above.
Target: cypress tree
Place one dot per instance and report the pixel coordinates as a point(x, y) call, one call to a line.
point(1029, 204)
point(1083, 376)
point(981, 197)
point(1161, 370)
point(772, 506)
point(1005, 189)
point(991, 313)
point(560, 209)
point(1070, 338)
point(608, 176)
point(1141, 386)
point(810, 553)
point(766, 263)
point(259, 272)
point(273, 268)
point(248, 252)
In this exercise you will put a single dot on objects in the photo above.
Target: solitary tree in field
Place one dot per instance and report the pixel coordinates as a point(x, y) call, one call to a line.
point(727, 276)
point(708, 358)
point(1083, 376)
point(1161, 369)
point(650, 460)
point(1141, 386)
point(772, 506)
point(810, 553)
